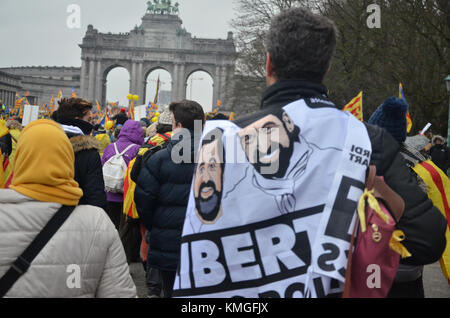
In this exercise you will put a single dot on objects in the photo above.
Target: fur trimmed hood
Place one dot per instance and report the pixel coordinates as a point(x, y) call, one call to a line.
point(433, 141)
point(13, 124)
point(80, 143)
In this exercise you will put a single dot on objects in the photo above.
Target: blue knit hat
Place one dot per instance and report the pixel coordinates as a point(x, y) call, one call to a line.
point(391, 115)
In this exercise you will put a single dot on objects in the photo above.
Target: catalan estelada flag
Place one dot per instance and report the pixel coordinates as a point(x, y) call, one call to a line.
point(74, 94)
point(401, 95)
point(355, 107)
point(438, 190)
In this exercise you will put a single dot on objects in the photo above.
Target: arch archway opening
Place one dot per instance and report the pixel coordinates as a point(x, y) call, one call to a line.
point(158, 88)
point(117, 86)
point(199, 87)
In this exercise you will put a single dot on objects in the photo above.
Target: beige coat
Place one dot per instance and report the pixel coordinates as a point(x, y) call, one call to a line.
point(87, 241)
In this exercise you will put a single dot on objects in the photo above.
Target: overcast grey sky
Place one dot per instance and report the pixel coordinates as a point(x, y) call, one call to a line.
point(35, 32)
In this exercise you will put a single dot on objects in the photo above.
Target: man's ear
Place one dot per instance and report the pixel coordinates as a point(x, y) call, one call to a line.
point(269, 70)
point(288, 122)
point(270, 74)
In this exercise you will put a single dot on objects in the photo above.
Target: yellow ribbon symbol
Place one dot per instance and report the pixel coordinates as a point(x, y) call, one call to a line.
point(373, 203)
point(398, 247)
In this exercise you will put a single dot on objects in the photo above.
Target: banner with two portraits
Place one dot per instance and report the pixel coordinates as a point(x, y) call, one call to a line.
point(273, 203)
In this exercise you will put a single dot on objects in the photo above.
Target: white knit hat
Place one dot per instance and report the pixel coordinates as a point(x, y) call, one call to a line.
point(166, 117)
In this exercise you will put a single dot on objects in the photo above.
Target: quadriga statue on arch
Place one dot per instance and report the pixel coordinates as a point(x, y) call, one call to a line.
point(163, 7)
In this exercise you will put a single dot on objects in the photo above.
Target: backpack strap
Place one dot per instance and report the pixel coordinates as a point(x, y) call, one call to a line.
point(348, 271)
point(115, 148)
point(370, 182)
point(127, 148)
point(124, 151)
point(23, 262)
point(13, 139)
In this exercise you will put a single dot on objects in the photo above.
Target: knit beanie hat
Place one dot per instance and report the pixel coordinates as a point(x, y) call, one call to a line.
point(417, 142)
point(391, 115)
point(165, 118)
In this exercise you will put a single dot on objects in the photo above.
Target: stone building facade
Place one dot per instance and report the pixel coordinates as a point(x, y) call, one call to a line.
point(10, 85)
point(160, 42)
point(43, 82)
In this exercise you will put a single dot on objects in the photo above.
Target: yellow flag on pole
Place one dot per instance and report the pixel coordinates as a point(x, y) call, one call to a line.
point(401, 95)
point(355, 107)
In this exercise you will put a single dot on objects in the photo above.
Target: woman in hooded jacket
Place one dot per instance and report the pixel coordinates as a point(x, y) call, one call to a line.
point(75, 116)
point(43, 182)
point(132, 135)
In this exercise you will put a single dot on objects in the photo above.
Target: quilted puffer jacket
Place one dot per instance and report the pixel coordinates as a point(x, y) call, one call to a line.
point(87, 239)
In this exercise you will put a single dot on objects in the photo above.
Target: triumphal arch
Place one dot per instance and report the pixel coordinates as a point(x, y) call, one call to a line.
point(160, 42)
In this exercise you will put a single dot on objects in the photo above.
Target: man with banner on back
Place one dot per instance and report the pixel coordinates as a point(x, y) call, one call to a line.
point(274, 195)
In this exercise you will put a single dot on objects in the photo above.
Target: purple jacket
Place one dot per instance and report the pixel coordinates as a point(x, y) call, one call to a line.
point(131, 133)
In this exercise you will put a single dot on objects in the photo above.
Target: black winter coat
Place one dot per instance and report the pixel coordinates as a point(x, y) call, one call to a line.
point(88, 166)
point(161, 196)
point(6, 144)
point(423, 224)
point(88, 171)
point(440, 155)
point(120, 118)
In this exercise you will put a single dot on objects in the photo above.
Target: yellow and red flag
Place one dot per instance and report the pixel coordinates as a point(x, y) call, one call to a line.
point(99, 109)
point(6, 173)
point(19, 102)
point(355, 107)
point(129, 206)
point(408, 123)
point(401, 95)
point(131, 111)
point(438, 190)
point(52, 104)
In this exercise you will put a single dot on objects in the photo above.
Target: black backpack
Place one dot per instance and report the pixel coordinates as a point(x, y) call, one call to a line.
point(141, 159)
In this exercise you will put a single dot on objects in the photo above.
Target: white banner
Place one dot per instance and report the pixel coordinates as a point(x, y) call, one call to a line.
point(30, 113)
point(140, 112)
point(253, 231)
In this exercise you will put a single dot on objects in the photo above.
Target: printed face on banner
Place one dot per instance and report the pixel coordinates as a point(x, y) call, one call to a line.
point(269, 143)
point(208, 179)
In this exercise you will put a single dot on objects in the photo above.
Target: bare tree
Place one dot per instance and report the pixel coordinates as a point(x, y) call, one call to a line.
point(252, 23)
point(412, 46)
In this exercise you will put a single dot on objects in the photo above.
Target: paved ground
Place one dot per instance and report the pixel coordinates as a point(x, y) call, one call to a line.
point(435, 284)
point(138, 274)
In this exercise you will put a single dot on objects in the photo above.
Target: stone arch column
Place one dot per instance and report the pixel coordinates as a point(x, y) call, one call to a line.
point(175, 82)
point(181, 79)
point(140, 83)
point(99, 83)
point(84, 78)
point(91, 81)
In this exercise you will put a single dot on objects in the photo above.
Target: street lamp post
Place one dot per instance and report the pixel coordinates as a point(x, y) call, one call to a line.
point(447, 83)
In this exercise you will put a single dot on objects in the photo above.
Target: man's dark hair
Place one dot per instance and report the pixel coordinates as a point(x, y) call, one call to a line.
point(186, 112)
point(163, 128)
point(301, 45)
point(69, 108)
point(220, 116)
